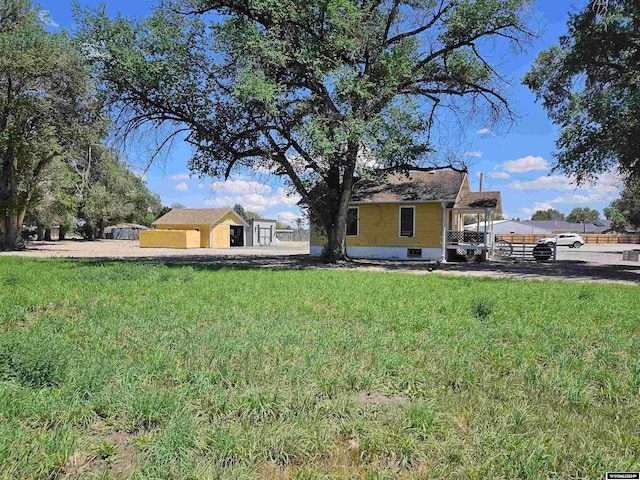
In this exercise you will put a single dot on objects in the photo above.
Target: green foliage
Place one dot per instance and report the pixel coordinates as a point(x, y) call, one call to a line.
point(550, 214)
point(46, 106)
point(112, 194)
point(588, 85)
point(314, 91)
point(246, 214)
point(625, 211)
point(583, 215)
point(482, 309)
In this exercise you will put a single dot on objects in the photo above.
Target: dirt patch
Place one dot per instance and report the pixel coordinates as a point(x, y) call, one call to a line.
point(103, 452)
point(380, 398)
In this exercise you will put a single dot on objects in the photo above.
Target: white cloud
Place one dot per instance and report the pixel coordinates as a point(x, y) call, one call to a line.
point(45, 19)
point(501, 175)
point(576, 198)
point(550, 182)
point(240, 187)
point(141, 175)
point(286, 217)
point(525, 164)
point(486, 131)
point(606, 187)
point(536, 206)
point(182, 187)
point(255, 201)
point(180, 176)
point(472, 154)
point(200, 185)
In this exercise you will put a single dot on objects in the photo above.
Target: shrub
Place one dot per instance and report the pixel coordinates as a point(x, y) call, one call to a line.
point(482, 309)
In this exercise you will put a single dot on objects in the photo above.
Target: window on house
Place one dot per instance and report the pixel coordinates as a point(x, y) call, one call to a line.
point(352, 221)
point(407, 215)
point(414, 252)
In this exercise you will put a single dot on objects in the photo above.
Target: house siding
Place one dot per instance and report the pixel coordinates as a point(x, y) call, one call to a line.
point(169, 239)
point(221, 236)
point(379, 227)
point(204, 230)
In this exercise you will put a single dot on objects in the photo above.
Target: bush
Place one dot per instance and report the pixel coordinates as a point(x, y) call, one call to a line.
point(482, 309)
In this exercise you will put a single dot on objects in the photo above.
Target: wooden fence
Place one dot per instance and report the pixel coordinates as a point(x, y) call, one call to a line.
point(589, 238)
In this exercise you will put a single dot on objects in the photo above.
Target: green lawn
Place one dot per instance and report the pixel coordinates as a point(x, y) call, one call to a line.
point(154, 371)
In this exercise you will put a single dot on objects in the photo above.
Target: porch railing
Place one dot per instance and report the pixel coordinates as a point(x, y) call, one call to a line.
point(465, 237)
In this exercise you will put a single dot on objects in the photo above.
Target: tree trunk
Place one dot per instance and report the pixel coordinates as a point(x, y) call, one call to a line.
point(62, 233)
point(47, 234)
point(12, 238)
point(39, 232)
point(100, 228)
point(336, 227)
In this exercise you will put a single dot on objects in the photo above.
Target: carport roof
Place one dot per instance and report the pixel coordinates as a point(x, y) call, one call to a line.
point(194, 216)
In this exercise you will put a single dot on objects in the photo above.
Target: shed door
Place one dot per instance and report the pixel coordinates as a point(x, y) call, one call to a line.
point(235, 236)
point(264, 236)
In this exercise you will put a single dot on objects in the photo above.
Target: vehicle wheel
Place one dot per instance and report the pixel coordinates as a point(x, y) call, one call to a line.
point(577, 244)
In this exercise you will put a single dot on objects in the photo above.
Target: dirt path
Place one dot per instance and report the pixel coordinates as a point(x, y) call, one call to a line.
point(602, 263)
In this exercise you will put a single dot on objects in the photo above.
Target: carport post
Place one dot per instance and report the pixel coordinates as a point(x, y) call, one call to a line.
point(555, 251)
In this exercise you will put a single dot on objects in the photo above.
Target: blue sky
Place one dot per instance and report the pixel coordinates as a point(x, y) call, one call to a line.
point(515, 160)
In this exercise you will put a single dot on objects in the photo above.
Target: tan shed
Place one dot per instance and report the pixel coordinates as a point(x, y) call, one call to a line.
point(218, 227)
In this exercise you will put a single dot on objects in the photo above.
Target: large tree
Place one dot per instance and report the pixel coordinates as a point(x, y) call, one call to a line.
point(625, 211)
point(110, 193)
point(583, 215)
point(318, 92)
point(549, 214)
point(45, 109)
point(590, 86)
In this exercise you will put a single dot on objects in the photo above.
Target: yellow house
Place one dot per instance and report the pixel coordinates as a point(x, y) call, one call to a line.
point(415, 216)
point(217, 227)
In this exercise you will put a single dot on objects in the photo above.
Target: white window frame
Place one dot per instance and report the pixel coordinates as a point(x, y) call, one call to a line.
point(357, 221)
point(412, 207)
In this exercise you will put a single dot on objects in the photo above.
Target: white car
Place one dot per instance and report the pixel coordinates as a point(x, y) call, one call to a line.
point(571, 240)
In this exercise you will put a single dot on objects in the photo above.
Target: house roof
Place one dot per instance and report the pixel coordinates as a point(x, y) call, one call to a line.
point(479, 200)
point(564, 226)
point(509, 226)
point(193, 216)
point(441, 185)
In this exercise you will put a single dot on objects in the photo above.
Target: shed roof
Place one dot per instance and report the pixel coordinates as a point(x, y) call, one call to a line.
point(441, 185)
point(194, 216)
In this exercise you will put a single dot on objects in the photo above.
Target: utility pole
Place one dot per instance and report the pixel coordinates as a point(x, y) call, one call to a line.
point(478, 224)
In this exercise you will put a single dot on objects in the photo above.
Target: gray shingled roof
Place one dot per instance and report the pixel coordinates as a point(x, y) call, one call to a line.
point(564, 226)
point(416, 187)
point(193, 216)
